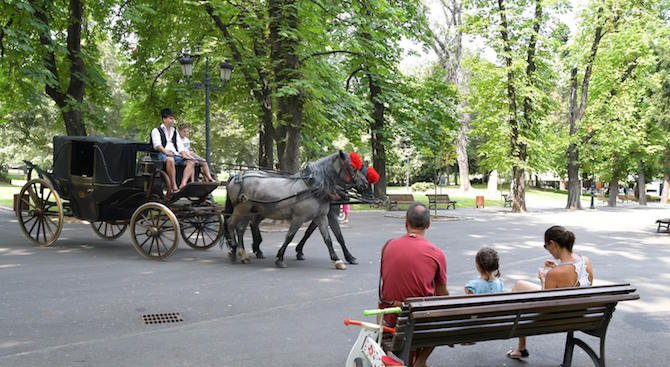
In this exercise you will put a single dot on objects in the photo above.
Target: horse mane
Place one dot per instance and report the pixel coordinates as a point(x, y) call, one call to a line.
point(323, 177)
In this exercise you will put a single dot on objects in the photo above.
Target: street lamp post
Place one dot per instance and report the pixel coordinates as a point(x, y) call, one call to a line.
point(225, 69)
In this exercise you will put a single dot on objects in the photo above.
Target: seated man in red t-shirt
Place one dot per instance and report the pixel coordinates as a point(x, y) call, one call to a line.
point(411, 266)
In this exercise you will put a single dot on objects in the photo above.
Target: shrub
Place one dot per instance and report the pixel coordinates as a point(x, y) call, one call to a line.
point(422, 186)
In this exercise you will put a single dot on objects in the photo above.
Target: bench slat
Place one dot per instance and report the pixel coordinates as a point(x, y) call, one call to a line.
point(467, 335)
point(460, 321)
point(545, 306)
point(463, 301)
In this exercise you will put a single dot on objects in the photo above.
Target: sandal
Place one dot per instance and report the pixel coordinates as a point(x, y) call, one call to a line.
point(522, 354)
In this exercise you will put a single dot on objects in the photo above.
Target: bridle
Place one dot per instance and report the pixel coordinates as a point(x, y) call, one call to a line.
point(346, 167)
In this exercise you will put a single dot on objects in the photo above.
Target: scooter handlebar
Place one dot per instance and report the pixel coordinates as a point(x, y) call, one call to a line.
point(382, 311)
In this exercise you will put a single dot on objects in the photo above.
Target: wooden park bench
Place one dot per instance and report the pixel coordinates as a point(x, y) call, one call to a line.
point(625, 198)
point(399, 199)
point(663, 223)
point(507, 200)
point(435, 199)
point(445, 320)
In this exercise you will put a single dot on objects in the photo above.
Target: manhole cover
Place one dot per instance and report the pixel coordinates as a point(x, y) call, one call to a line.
point(162, 318)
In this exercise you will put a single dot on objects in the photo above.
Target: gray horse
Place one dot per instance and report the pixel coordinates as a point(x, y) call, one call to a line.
point(364, 190)
point(299, 198)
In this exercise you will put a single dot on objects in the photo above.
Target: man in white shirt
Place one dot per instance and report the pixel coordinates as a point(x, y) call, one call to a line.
point(167, 142)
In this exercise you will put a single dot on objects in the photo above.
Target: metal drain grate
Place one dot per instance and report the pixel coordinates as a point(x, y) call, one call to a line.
point(162, 318)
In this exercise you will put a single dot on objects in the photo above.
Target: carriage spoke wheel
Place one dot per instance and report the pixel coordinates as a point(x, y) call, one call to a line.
point(202, 231)
point(154, 231)
point(109, 230)
point(40, 212)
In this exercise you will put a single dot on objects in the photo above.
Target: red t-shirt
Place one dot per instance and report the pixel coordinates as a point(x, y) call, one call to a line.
point(411, 267)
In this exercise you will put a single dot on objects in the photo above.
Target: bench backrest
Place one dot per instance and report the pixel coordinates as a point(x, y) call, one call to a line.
point(434, 321)
point(401, 197)
point(438, 196)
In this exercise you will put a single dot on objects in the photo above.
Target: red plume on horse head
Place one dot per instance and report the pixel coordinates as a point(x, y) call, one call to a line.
point(356, 161)
point(373, 176)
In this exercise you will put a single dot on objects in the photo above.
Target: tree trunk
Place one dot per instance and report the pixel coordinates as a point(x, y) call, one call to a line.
point(614, 190)
point(574, 182)
point(492, 184)
point(462, 152)
point(519, 192)
point(641, 184)
point(574, 187)
point(284, 22)
point(280, 140)
point(266, 136)
point(517, 146)
point(378, 138)
point(70, 103)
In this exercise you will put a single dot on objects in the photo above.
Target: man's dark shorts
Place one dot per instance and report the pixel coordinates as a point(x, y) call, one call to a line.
point(178, 161)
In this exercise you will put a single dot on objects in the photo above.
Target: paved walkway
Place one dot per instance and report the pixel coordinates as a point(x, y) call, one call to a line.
point(80, 302)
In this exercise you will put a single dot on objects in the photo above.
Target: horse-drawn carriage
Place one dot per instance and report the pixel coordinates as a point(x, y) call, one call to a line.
point(115, 183)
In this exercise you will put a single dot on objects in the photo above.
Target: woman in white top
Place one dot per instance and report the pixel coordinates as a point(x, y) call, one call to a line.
point(571, 271)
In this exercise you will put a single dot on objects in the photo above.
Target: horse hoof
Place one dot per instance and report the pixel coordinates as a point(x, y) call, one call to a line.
point(232, 256)
point(352, 260)
point(245, 260)
point(300, 256)
point(280, 264)
point(339, 265)
point(259, 255)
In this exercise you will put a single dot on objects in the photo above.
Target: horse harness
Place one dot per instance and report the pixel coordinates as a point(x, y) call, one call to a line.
point(305, 175)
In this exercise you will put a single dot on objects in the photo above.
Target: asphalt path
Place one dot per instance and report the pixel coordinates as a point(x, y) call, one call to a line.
point(80, 302)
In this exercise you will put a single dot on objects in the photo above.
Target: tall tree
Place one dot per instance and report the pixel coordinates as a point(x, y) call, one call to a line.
point(447, 42)
point(577, 109)
point(64, 37)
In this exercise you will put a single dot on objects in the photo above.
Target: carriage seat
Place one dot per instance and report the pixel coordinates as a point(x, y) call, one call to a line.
point(150, 162)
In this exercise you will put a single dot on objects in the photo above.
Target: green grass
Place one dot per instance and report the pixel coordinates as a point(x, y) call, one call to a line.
point(7, 192)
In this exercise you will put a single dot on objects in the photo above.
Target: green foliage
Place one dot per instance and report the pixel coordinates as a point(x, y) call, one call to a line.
point(24, 73)
point(422, 186)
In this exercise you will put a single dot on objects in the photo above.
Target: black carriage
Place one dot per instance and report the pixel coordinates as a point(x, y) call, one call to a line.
point(115, 183)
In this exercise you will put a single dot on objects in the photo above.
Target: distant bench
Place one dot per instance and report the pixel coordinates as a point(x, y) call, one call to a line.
point(507, 200)
point(445, 320)
point(663, 223)
point(435, 199)
point(399, 199)
point(625, 198)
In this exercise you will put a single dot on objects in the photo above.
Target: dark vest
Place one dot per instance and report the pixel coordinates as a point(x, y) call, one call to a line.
point(164, 138)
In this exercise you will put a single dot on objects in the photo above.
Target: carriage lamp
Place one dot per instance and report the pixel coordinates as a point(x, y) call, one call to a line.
point(186, 62)
point(225, 69)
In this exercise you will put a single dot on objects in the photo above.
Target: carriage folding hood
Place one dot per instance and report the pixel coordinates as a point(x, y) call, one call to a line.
point(106, 160)
point(92, 163)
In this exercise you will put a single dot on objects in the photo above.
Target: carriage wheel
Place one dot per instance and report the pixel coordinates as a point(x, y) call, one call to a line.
point(154, 231)
point(202, 231)
point(40, 212)
point(109, 230)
